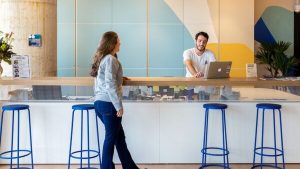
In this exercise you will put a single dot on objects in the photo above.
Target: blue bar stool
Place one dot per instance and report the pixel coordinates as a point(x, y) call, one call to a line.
point(223, 151)
point(78, 154)
point(276, 150)
point(16, 152)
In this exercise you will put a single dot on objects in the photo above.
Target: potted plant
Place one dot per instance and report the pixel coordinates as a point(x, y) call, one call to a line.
point(5, 48)
point(273, 55)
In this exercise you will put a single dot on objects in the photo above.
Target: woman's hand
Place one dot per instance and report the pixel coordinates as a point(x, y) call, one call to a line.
point(120, 112)
point(125, 78)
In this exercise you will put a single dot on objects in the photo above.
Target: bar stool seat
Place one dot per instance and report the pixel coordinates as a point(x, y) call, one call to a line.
point(271, 151)
point(83, 107)
point(215, 106)
point(268, 106)
point(15, 107)
point(16, 152)
point(91, 153)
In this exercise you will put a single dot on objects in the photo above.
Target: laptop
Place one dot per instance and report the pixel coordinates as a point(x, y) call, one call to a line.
point(46, 92)
point(217, 70)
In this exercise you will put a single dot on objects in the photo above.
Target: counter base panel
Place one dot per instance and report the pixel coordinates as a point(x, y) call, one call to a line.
point(158, 132)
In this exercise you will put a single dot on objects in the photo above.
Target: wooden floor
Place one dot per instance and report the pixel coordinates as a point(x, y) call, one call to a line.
point(164, 166)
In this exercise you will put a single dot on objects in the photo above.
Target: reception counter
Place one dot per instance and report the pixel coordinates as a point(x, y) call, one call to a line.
point(163, 122)
point(159, 81)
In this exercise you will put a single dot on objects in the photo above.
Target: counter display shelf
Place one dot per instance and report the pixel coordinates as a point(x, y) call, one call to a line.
point(163, 118)
point(155, 89)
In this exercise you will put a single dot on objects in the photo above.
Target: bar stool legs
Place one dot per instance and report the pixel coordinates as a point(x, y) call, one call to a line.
point(84, 108)
point(224, 149)
point(20, 152)
point(261, 150)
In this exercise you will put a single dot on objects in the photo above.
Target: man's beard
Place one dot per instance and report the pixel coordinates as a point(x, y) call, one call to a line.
point(201, 49)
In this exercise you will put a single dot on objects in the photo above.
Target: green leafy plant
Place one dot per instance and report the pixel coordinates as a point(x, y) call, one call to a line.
point(273, 55)
point(5, 47)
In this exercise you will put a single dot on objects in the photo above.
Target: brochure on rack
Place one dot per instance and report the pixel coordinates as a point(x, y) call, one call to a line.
point(21, 66)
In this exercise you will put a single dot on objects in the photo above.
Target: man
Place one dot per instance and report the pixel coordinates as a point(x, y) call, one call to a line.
point(198, 57)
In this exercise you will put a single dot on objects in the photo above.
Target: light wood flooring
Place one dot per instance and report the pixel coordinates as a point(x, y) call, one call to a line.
point(154, 166)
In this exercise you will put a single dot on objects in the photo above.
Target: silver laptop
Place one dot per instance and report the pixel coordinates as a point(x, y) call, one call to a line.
point(217, 69)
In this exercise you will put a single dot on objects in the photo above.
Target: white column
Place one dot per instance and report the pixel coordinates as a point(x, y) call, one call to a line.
point(24, 17)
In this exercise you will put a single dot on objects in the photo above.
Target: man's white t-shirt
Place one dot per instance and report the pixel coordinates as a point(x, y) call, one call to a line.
point(199, 62)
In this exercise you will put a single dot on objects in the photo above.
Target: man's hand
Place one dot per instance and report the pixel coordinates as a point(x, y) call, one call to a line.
point(192, 70)
point(198, 74)
point(120, 112)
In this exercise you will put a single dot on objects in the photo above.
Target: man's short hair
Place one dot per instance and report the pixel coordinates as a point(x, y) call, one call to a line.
point(203, 34)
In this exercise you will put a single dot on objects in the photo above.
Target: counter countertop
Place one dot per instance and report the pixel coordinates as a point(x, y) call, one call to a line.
point(159, 81)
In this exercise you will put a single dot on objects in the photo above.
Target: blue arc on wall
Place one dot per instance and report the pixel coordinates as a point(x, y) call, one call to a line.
point(262, 33)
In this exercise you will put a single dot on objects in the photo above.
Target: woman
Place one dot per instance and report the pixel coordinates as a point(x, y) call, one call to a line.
point(108, 100)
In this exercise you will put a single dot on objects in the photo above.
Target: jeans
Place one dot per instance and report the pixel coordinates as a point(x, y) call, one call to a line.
point(114, 136)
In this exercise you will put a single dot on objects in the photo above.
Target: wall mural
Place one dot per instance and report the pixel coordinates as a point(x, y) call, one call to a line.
point(276, 24)
point(275, 20)
point(152, 42)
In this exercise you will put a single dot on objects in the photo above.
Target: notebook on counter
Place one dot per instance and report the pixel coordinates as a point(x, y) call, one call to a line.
point(217, 70)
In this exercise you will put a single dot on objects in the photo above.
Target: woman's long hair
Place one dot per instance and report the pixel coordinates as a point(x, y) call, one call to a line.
point(106, 46)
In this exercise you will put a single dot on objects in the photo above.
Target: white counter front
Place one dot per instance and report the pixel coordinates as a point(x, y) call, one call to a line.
point(161, 132)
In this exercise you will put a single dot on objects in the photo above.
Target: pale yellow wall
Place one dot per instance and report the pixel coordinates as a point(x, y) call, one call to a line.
point(236, 18)
point(214, 9)
point(237, 34)
point(24, 17)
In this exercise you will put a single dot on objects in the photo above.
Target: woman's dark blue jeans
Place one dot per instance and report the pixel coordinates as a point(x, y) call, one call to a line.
point(114, 136)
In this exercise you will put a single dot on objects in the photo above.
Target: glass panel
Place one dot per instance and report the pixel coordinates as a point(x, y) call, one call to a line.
point(94, 11)
point(170, 30)
point(65, 11)
point(129, 11)
point(65, 46)
point(150, 93)
point(88, 41)
point(132, 53)
point(65, 37)
point(166, 48)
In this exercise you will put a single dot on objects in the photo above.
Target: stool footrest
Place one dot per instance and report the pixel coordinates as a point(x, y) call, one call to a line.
point(258, 151)
point(214, 165)
point(20, 168)
point(223, 153)
point(266, 165)
point(5, 155)
point(76, 154)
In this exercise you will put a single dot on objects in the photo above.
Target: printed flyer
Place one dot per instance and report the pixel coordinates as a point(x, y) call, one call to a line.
point(21, 66)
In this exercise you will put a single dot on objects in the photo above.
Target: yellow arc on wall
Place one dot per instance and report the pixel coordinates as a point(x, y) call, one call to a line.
point(239, 54)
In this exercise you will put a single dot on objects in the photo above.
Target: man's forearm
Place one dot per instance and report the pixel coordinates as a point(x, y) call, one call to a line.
point(191, 69)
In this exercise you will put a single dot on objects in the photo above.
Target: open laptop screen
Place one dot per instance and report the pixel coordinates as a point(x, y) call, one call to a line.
point(218, 69)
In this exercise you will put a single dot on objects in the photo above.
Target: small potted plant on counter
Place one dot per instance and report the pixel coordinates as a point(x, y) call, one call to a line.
point(5, 48)
point(274, 57)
